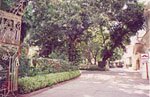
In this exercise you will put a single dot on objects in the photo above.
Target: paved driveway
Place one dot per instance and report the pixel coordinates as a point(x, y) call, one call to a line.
point(113, 83)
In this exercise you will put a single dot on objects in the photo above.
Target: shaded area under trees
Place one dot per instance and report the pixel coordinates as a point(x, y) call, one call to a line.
point(62, 26)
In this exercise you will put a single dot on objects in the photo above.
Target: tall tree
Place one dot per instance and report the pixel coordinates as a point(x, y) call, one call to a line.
point(126, 19)
point(58, 26)
point(62, 24)
point(94, 41)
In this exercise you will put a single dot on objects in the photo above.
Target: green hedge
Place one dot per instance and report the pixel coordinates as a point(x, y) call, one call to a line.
point(38, 66)
point(89, 67)
point(30, 84)
point(93, 68)
point(52, 65)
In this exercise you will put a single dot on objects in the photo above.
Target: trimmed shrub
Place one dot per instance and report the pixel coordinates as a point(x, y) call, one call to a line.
point(91, 67)
point(39, 66)
point(30, 84)
point(46, 65)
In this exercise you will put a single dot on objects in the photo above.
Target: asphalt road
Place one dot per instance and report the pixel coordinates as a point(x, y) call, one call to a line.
point(113, 83)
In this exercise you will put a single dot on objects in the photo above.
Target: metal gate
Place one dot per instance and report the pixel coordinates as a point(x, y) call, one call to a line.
point(10, 30)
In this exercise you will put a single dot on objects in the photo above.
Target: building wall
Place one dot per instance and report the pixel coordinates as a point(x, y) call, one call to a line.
point(127, 57)
point(137, 50)
point(144, 44)
point(146, 37)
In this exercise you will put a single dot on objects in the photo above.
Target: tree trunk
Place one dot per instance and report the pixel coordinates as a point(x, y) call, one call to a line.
point(95, 59)
point(89, 57)
point(107, 54)
point(72, 52)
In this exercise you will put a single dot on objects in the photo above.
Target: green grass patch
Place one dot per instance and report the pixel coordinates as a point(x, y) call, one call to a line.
point(30, 84)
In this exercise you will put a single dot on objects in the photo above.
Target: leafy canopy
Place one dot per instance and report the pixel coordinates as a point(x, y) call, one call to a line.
point(60, 25)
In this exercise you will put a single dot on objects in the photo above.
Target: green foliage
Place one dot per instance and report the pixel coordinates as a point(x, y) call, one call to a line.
point(91, 67)
point(124, 22)
point(96, 38)
point(46, 65)
point(58, 55)
point(62, 27)
point(57, 27)
point(29, 84)
point(39, 66)
point(5, 4)
point(117, 54)
point(24, 62)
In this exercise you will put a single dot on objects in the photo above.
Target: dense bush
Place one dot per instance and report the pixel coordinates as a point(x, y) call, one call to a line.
point(89, 67)
point(58, 55)
point(29, 84)
point(24, 66)
point(38, 66)
point(24, 61)
point(46, 65)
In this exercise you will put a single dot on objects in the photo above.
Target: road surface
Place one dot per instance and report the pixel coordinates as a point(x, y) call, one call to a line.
point(113, 83)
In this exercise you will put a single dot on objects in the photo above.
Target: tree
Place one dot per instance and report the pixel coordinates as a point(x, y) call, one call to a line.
point(125, 23)
point(95, 39)
point(7, 4)
point(61, 25)
point(117, 54)
point(57, 26)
